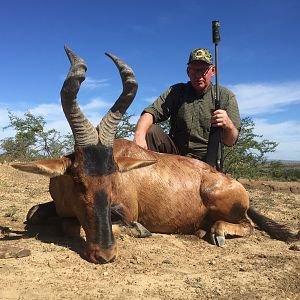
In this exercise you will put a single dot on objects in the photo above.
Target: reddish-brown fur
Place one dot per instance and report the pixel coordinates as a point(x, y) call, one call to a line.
point(173, 195)
point(165, 193)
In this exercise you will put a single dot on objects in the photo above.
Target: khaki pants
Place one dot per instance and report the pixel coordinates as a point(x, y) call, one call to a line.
point(158, 141)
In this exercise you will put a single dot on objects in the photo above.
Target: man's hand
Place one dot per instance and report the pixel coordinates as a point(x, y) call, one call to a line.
point(220, 119)
point(143, 125)
point(141, 141)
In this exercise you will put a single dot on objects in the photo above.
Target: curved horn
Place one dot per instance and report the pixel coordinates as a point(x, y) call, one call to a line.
point(83, 131)
point(108, 125)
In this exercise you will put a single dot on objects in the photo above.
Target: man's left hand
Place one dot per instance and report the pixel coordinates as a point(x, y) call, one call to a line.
point(220, 119)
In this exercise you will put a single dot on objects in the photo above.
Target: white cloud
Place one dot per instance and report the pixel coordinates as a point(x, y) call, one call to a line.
point(258, 98)
point(91, 83)
point(287, 134)
point(3, 117)
point(51, 110)
point(60, 124)
point(286, 151)
point(54, 116)
point(284, 130)
point(95, 103)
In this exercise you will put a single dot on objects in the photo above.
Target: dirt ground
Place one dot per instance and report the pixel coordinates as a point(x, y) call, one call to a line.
point(159, 267)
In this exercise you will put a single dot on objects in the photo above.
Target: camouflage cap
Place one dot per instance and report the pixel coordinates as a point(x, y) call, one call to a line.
point(201, 54)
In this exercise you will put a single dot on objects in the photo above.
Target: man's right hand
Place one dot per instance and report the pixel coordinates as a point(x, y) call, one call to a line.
point(143, 125)
point(140, 141)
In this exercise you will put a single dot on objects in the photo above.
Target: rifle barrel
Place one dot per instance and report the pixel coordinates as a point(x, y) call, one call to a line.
point(216, 40)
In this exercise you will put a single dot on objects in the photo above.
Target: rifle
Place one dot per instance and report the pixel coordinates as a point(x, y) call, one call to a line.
point(215, 153)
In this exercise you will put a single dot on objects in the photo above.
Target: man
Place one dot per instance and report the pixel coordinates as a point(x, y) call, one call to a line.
point(190, 107)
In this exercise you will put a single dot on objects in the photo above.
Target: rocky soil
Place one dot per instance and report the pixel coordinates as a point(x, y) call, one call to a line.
point(46, 265)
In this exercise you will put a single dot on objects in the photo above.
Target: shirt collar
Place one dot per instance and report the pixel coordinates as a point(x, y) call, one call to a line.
point(207, 90)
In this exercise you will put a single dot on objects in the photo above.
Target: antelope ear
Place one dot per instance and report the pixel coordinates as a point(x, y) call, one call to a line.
point(128, 163)
point(49, 167)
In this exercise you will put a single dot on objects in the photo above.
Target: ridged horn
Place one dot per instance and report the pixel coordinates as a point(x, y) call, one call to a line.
point(83, 131)
point(108, 125)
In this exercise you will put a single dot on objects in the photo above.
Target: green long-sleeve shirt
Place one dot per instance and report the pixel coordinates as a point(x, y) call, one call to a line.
point(190, 115)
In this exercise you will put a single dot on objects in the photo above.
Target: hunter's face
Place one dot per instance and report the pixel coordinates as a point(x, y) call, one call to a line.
point(200, 74)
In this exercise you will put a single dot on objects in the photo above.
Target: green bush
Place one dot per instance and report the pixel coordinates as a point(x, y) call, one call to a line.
point(32, 141)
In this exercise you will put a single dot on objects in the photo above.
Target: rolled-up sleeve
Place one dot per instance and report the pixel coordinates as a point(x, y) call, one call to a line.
point(233, 112)
point(163, 106)
point(231, 107)
point(159, 108)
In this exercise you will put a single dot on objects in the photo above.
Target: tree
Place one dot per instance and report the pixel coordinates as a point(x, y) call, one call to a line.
point(283, 171)
point(32, 141)
point(248, 157)
point(125, 128)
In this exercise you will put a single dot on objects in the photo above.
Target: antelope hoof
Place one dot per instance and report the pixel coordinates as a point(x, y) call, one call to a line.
point(218, 240)
point(32, 215)
point(143, 232)
point(40, 213)
point(201, 233)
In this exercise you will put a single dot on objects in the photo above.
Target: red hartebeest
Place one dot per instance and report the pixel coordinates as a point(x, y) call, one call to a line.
point(104, 178)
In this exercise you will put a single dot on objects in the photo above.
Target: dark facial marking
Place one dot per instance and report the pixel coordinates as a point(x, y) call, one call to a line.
point(98, 160)
point(103, 220)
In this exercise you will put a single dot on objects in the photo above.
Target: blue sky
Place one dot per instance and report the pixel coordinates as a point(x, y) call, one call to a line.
point(258, 56)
